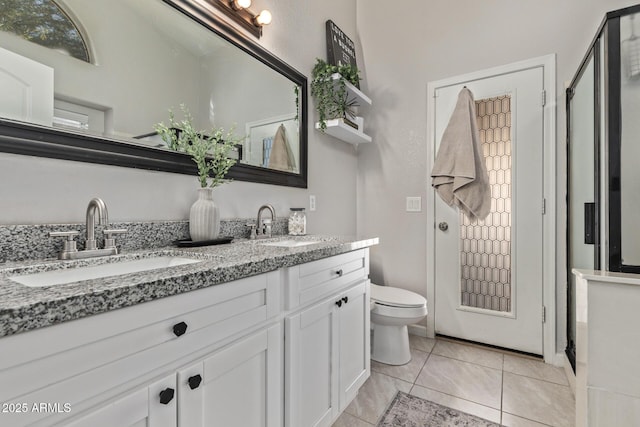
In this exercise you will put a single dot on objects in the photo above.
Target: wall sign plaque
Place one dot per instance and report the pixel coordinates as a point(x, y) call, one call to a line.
point(341, 50)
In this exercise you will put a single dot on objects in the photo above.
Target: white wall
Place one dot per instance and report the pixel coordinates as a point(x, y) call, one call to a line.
point(431, 41)
point(38, 190)
point(242, 89)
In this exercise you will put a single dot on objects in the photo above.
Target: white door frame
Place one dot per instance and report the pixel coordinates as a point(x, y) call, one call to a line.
point(548, 62)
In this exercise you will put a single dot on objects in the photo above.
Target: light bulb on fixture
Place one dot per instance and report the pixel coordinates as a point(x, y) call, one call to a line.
point(241, 4)
point(263, 18)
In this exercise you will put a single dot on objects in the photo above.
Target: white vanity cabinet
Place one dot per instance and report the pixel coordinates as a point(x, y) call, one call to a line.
point(109, 360)
point(327, 339)
point(241, 385)
point(141, 408)
point(289, 347)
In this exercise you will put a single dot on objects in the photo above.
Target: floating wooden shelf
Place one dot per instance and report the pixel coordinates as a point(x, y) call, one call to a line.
point(338, 129)
point(352, 91)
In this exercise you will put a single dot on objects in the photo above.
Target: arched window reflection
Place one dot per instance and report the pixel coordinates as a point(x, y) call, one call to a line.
point(43, 22)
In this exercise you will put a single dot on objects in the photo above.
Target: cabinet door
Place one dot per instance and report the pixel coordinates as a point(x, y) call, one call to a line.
point(311, 376)
point(150, 406)
point(238, 386)
point(354, 346)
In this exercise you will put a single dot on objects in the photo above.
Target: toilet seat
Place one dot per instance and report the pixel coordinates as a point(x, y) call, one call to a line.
point(396, 297)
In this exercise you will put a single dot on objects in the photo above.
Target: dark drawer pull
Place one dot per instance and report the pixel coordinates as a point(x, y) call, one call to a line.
point(194, 381)
point(339, 303)
point(345, 299)
point(339, 273)
point(166, 395)
point(180, 328)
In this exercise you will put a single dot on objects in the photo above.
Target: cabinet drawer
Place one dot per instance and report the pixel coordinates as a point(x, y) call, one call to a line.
point(82, 358)
point(309, 282)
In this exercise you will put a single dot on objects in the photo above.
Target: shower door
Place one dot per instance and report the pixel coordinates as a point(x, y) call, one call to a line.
point(488, 278)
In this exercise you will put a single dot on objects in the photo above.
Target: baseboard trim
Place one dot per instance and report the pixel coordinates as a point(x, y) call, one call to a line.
point(558, 360)
point(418, 330)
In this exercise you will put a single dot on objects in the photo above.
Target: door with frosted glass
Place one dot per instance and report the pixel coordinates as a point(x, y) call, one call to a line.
point(488, 277)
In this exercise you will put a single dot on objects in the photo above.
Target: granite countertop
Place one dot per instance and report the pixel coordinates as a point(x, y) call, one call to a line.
point(24, 308)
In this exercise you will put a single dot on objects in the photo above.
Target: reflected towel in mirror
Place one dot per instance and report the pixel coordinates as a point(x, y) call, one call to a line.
point(281, 156)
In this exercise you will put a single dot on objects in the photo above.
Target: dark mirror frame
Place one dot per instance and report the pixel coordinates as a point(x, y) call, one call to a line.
point(34, 140)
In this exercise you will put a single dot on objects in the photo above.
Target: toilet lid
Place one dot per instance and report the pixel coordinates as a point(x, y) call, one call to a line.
point(396, 297)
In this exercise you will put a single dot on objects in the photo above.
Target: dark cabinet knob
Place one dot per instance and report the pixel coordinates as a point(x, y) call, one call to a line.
point(166, 395)
point(339, 303)
point(345, 299)
point(179, 328)
point(339, 273)
point(194, 381)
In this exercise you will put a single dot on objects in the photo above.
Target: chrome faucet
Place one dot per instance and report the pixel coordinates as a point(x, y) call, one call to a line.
point(69, 250)
point(264, 227)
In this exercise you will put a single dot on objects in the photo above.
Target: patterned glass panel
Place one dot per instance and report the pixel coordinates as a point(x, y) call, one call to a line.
point(486, 244)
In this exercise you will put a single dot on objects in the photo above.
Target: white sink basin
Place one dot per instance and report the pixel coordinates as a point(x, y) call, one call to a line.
point(59, 277)
point(290, 243)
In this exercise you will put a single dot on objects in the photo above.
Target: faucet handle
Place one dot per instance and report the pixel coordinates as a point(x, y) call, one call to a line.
point(70, 243)
point(109, 240)
point(267, 227)
point(252, 234)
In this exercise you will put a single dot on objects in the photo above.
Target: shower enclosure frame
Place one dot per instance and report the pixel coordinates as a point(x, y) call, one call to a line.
point(605, 51)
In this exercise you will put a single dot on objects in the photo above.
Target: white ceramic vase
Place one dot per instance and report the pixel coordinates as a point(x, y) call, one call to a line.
point(204, 217)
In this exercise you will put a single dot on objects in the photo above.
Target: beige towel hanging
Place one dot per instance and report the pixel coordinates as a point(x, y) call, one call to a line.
point(459, 173)
point(281, 157)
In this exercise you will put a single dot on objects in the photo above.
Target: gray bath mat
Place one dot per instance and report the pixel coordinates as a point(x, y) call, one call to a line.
point(411, 411)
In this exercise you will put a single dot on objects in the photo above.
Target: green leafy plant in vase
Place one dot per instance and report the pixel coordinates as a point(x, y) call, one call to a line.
point(210, 152)
point(332, 97)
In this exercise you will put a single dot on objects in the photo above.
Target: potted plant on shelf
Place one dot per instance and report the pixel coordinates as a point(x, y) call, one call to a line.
point(210, 152)
point(330, 92)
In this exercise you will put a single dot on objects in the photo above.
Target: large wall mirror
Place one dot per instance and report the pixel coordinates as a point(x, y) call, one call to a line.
point(87, 81)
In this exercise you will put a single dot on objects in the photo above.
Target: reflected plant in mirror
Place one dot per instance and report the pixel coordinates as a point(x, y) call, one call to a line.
point(209, 150)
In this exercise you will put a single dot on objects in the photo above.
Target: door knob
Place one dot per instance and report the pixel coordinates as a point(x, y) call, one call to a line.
point(443, 226)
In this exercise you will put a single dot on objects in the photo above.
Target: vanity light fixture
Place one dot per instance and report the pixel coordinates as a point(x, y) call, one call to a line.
point(238, 11)
point(241, 4)
point(263, 18)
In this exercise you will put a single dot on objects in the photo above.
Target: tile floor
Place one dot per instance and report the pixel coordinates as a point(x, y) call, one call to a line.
point(506, 388)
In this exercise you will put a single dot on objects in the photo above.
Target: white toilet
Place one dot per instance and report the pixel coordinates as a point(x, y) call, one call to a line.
point(392, 309)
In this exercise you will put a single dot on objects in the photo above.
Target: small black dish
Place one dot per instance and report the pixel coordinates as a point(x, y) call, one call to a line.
point(191, 244)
